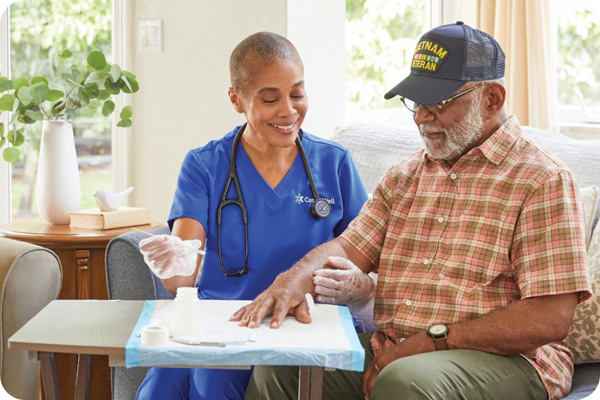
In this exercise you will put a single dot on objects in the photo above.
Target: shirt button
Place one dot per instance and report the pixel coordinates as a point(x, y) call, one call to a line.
point(441, 219)
point(453, 176)
point(425, 261)
point(408, 302)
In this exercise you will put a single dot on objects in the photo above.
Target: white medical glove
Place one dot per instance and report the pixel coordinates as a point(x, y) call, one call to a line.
point(343, 283)
point(168, 256)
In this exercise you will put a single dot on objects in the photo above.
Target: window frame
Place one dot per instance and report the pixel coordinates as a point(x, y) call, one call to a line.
point(121, 137)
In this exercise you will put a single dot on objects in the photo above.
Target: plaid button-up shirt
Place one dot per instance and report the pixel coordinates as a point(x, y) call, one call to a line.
point(451, 244)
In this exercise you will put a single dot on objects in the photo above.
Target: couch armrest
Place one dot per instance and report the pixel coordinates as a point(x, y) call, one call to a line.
point(30, 278)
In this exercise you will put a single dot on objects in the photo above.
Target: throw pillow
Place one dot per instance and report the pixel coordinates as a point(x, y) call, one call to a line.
point(589, 197)
point(584, 336)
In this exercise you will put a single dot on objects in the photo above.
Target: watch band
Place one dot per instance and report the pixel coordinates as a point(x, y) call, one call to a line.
point(440, 343)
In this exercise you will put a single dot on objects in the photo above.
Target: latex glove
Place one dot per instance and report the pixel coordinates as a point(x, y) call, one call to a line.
point(168, 256)
point(343, 283)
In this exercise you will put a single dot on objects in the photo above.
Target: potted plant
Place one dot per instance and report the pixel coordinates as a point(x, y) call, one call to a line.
point(84, 89)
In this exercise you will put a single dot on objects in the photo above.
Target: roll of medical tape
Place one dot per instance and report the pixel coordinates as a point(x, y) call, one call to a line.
point(155, 336)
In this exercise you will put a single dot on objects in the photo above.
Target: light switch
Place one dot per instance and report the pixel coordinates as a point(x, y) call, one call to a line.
point(150, 35)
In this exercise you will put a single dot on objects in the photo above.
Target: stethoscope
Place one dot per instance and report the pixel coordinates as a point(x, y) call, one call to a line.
point(319, 209)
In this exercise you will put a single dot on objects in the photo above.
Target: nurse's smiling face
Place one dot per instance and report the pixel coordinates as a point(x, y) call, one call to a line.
point(274, 102)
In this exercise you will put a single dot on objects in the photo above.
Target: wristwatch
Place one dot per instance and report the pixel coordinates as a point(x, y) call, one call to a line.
point(438, 333)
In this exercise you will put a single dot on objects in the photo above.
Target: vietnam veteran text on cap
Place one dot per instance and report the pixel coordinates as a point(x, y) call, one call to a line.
point(446, 58)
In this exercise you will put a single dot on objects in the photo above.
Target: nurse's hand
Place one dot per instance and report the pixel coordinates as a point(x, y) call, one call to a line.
point(343, 283)
point(284, 297)
point(168, 256)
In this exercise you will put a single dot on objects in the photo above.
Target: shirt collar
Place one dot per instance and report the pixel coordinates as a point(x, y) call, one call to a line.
point(499, 144)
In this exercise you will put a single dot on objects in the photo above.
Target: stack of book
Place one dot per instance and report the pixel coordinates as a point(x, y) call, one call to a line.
point(123, 217)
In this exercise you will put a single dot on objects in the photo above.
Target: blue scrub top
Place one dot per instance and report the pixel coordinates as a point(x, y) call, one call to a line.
point(280, 227)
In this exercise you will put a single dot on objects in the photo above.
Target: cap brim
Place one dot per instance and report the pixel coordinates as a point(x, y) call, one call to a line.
point(424, 89)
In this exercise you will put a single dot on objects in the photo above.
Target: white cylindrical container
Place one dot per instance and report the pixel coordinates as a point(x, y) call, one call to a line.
point(57, 187)
point(187, 312)
point(154, 336)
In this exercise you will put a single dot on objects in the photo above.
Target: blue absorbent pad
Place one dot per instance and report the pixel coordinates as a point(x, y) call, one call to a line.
point(329, 341)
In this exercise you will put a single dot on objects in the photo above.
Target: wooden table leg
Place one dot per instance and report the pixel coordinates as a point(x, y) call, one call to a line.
point(83, 376)
point(310, 384)
point(49, 378)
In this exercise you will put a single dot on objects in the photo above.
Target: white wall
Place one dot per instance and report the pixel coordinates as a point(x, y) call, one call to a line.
point(183, 103)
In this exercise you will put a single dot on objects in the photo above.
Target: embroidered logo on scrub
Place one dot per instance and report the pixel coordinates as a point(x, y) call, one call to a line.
point(429, 56)
point(300, 199)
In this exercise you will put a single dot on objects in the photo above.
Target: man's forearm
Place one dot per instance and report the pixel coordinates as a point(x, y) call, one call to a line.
point(518, 328)
point(302, 272)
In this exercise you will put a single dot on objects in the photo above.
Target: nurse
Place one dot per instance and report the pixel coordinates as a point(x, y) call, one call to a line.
point(297, 191)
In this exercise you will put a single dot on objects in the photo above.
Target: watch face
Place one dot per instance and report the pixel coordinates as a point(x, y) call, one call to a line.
point(437, 329)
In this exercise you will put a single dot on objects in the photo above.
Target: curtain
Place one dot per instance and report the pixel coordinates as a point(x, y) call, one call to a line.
point(527, 32)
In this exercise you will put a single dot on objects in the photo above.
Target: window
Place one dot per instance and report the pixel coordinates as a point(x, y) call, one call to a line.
point(579, 61)
point(39, 31)
point(381, 37)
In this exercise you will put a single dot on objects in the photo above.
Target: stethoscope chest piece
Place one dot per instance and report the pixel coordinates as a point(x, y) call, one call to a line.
point(321, 209)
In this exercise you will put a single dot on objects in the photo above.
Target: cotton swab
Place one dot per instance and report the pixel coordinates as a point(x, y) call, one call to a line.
point(201, 252)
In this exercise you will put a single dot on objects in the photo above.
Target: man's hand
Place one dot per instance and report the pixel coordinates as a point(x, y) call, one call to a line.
point(284, 297)
point(343, 283)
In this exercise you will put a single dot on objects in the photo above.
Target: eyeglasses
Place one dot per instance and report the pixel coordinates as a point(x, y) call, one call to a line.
point(435, 109)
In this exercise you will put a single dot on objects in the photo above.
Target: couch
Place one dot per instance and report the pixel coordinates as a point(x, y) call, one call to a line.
point(30, 278)
point(374, 148)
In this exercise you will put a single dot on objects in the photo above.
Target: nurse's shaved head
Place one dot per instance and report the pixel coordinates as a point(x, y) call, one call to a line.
point(256, 51)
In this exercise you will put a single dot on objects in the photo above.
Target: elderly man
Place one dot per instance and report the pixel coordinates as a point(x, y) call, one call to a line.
point(478, 242)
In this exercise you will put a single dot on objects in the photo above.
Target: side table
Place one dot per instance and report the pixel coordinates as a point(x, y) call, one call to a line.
point(81, 253)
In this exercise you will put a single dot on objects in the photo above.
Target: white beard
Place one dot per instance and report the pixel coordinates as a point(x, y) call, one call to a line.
point(458, 138)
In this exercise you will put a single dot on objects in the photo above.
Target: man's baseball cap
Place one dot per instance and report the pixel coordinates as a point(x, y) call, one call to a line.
point(445, 59)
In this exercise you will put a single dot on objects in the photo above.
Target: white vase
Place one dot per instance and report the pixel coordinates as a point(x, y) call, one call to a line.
point(57, 186)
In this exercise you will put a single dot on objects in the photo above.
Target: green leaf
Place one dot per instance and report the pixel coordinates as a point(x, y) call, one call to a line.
point(91, 79)
point(92, 90)
point(58, 107)
point(6, 85)
point(20, 138)
point(126, 112)
point(54, 95)
point(84, 99)
point(96, 60)
point(65, 54)
point(39, 79)
point(115, 72)
point(40, 92)
point(124, 123)
point(24, 95)
point(6, 102)
point(108, 108)
point(103, 94)
point(11, 154)
point(113, 87)
point(19, 83)
point(34, 115)
point(89, 112)
point(2, 141)
point(131, 83)
point(1, 131)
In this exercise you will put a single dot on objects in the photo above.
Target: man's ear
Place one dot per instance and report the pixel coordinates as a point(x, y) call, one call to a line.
point(234, 98)
point(494, 99)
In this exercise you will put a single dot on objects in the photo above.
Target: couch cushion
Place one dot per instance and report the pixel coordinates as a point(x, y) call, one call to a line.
point(581, 156)
point(584, 336)
point(589, 197)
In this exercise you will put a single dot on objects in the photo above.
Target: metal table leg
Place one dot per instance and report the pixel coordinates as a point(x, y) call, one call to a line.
point(49, 379)
point(83, 376)
point(310, 385)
